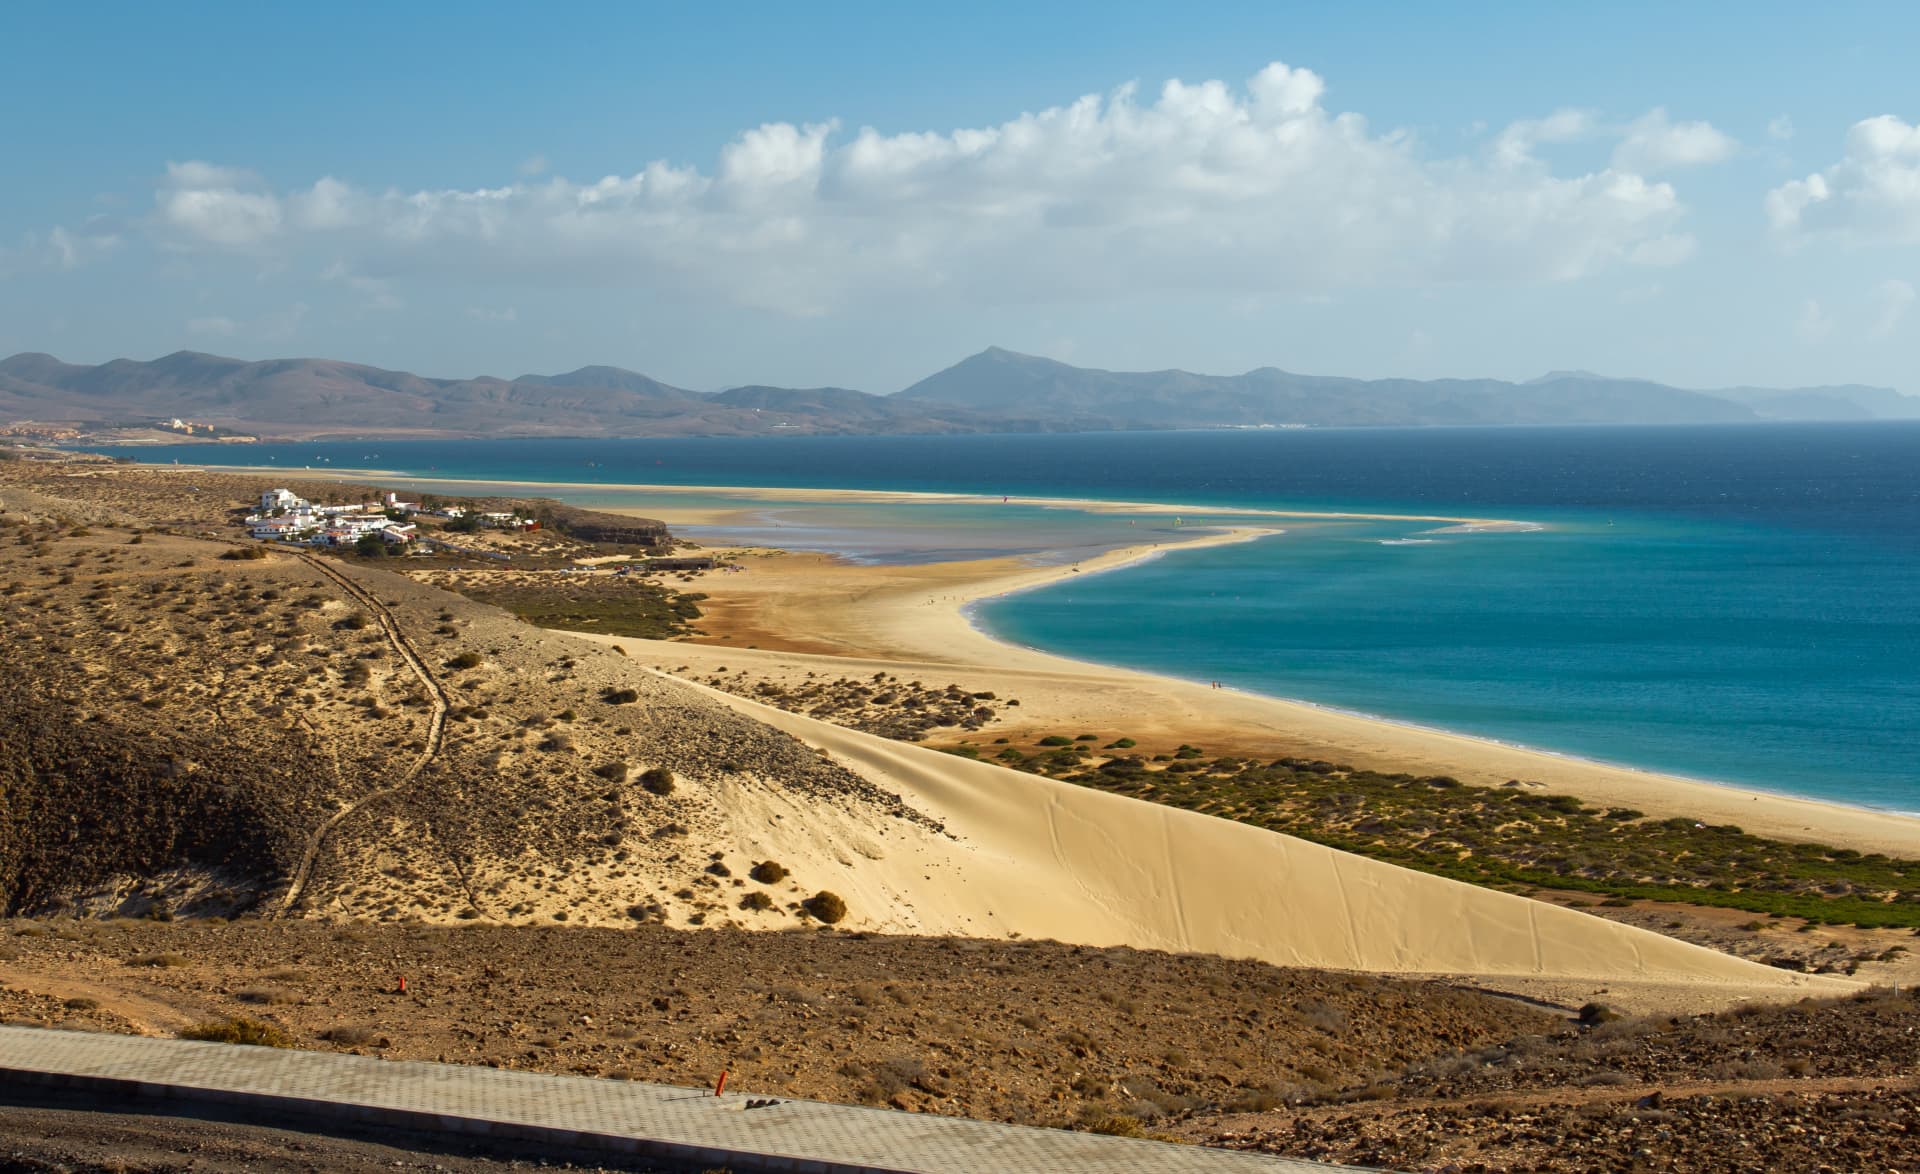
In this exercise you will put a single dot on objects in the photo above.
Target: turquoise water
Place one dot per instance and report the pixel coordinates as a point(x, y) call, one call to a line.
point(1739, 603)
point(1640, 642)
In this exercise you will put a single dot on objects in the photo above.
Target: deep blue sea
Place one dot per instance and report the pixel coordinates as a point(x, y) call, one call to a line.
point(1734, 603)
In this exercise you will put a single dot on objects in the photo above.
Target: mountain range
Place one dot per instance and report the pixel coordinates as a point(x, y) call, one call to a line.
point(994, 391)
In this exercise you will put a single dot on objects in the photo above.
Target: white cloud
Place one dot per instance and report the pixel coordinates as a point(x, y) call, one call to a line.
point(327, 204)
point(1259, 189)
point(1780, 129)
point(1653, 144)
point(486, 314)
point(217, 205)
point(1514, 145)
point(1892, 299)
point(213, 326)
point(60, 247)
point(1872, 196)
point(533, 165)
point(1812, 325)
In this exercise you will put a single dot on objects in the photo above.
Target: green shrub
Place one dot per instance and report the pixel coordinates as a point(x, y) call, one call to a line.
point(245, 553)
point(614, 772)
point(465, 660)
point(620, 696)
point(769, 872)
point(756, 902)
point(1056, 740)
point(657, 780)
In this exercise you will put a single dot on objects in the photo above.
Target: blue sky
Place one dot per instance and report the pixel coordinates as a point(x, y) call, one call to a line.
point(1705, 194)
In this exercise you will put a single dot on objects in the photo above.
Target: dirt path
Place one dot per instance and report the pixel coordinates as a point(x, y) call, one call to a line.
point(436, 720)
point(149, 1016)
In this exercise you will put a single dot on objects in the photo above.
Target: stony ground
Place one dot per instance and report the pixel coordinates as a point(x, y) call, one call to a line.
point(1401, 1075)
point(1033, 1032)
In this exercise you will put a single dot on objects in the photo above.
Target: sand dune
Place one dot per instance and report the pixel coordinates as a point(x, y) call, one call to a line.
point(1031, 857)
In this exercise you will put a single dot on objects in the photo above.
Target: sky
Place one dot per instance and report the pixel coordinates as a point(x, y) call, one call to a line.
point(860, 194)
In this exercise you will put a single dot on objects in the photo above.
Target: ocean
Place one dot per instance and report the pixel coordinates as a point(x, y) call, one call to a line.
point(1739, 603)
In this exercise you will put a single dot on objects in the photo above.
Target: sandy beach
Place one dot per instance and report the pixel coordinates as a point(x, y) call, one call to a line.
point(790, 614)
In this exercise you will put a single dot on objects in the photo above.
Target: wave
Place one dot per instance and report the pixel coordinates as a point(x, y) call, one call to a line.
point(1488, 528)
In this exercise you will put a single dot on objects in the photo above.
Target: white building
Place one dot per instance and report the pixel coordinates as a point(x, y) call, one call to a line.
point(281, 499)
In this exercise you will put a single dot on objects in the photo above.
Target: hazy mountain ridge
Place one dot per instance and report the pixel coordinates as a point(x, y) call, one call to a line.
point(997, 378)
point(994, 391)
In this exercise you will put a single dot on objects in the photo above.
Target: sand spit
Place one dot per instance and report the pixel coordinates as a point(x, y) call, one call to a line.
point(752, 496)
point(1025, 856)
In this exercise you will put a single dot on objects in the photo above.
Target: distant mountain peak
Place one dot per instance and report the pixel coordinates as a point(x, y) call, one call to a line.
point(1556, 376)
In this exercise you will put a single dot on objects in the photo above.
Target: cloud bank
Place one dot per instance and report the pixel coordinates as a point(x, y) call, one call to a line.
point(1871, 196)
point(1254, 189)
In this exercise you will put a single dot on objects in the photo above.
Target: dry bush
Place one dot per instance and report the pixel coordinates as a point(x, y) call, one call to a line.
point(240, 1030)
point(353, 1035)
point(159, 960)
point(825, 907)
point(265, 995)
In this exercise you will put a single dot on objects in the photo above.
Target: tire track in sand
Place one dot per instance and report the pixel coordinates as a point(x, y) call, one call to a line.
point(436, 721)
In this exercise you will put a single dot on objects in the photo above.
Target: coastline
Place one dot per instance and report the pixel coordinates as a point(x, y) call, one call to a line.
point(817, 614)
point(821, 614)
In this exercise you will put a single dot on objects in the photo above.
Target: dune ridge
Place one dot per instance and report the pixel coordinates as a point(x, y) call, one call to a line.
point(1026, 856)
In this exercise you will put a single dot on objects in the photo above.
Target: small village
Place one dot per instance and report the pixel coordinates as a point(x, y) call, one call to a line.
point(284, 516)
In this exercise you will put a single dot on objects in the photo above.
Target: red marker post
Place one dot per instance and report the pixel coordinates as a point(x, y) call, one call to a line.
point(402, 988)
point(721, 1086)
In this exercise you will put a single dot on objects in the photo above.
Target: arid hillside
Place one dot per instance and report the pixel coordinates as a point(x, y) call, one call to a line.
point(199, 732)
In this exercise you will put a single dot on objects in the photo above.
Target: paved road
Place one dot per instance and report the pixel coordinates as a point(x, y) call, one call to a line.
point(651, 1120)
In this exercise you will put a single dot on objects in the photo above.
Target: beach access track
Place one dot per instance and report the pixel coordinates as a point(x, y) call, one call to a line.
point(651, 1121)
point(438, 707)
